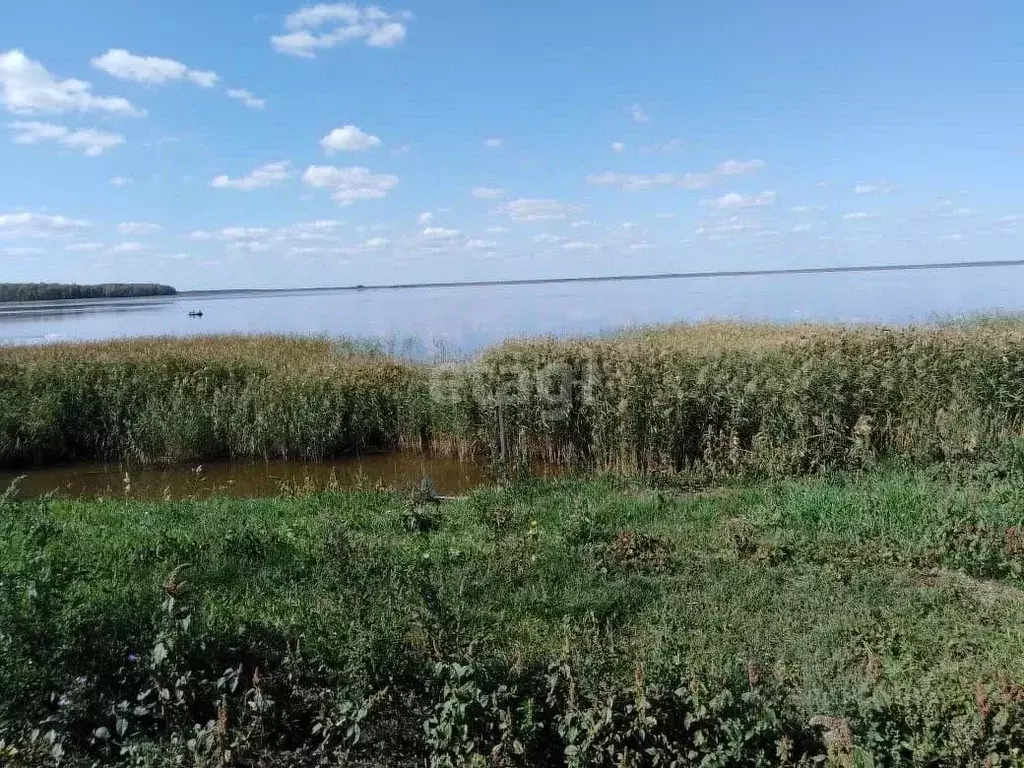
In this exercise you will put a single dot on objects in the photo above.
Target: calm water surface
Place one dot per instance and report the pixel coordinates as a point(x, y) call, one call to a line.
point(468, 319)
point(399, 471)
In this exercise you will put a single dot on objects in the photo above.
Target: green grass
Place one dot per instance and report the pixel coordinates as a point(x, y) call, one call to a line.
point(884, 599)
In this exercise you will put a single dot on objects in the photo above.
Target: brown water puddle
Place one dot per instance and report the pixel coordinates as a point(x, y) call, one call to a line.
point(402, 471)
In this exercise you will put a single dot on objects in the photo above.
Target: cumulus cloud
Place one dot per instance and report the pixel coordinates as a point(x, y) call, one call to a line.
point(533, 209)
point(950, 238)
point(137, 228)
point(376, 242)
point(264, 176)
point(494, 142)
point(857, 215)
point(26, 87)
point(580, 224)
point(808, 208)
point(637, 114)
point(120, 181)
point(348, 138)
point(578, 245)
point(83, 247)
point(150, 70)
point(329, 25)
point(349, 185)
point(618, 146)
point(488, 193)
point(425, 218)
point(733, 200)
point(92, 142)
point(545, 238)
point(246, 97)
point(480, 245)
point(28, 224)
point(497, 230)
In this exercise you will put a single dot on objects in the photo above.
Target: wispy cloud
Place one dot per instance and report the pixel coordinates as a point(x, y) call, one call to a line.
point(329, 25)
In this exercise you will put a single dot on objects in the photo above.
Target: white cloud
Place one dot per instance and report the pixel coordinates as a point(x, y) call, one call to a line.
point(618, 146)
point(808, 208)
point(823, 184)
point(738, 167)
point(150, 70)
point(547, 238)
point(348, 138)
point(120, 181)
point(22, 251)
point(641, 246)
point(131, 247)
point(733, 200)
point(878, 188)
point(246, 97)
point(531, 209)
point(92, 142)
point(633, 182)
point(488, 193)
point(637, 113)
point(349, 185)
point(85, 247)
point(440, 233)
point(264, 176)
point(1010, 219)
point(582, 223)
point(376, 242)
point(347, 23)
point(857, 215)
point(27, 224)
point(498, 230)
point(578, 245)
point(494, 142)
point(480, 245)
point(137, 228)
point(628, 225)
point(425, 218)
point(956, 236)
point(801, 228)
point(26, 87)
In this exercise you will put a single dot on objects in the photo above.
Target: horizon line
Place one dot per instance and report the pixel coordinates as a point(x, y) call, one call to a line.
point(942, 265)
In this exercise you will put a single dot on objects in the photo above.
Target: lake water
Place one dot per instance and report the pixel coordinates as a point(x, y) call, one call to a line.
point(402, 471)
point(465, 319)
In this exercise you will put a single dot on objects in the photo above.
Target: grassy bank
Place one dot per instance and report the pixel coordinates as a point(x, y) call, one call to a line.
point(721, 398)
point(876, 618)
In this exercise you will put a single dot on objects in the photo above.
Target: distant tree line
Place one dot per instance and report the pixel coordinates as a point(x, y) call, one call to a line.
point(54, 291)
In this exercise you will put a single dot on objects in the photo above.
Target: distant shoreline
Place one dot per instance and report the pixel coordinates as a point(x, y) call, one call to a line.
point(35, 292)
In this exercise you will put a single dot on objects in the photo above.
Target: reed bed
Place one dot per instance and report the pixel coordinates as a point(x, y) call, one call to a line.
point(723, 397)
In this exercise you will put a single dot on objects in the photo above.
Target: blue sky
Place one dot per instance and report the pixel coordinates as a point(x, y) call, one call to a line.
point(263, 143)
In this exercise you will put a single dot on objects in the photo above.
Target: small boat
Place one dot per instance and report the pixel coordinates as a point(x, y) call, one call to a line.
point(198, 313)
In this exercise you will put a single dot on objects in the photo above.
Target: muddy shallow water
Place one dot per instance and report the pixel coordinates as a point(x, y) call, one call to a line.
point(401, 471)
